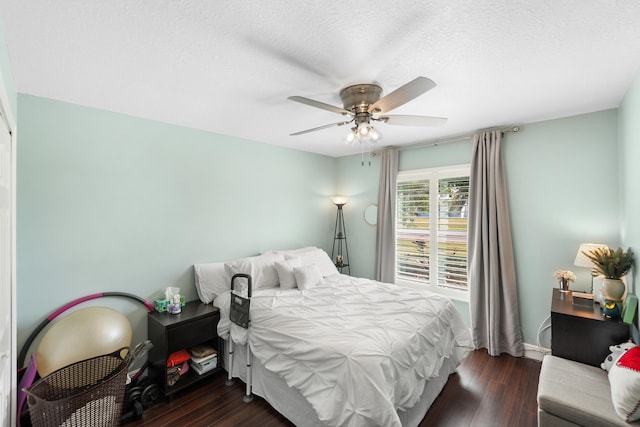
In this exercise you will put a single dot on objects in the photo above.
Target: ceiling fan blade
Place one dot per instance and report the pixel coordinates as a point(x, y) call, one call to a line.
point(402, 95)
point(412, 120)
point(318, 104)
point(320, 128)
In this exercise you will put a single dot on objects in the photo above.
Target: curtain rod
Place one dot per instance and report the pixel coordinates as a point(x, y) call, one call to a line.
point(512, 128)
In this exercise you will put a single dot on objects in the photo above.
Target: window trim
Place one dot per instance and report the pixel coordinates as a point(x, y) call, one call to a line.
point(440, 173)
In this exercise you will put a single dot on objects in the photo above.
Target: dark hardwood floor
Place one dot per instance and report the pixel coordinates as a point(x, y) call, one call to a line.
point(486, 391)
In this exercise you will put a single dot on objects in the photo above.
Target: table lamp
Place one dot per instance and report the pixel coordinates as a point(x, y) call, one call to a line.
point(583, 261)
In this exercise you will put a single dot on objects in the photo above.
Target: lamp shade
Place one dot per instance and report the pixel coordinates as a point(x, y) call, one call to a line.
point(339, 200)
point(364, 131)
point(350, 138)
point(581, 259)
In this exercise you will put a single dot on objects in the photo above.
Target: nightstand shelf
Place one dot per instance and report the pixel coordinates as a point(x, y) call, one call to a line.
point(582, 333)
point(196, 324)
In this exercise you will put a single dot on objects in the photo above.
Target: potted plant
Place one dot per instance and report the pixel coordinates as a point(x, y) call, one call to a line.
point(613, 265)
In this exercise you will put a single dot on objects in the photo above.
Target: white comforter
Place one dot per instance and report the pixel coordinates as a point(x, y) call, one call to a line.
point(357, 349)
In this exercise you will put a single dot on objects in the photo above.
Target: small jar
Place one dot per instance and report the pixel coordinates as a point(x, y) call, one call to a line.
point(174, 306)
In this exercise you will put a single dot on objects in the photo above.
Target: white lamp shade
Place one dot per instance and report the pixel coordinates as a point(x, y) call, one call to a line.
point(339, 200)
point(364, 131)
point(350, 138)
point(581, 259)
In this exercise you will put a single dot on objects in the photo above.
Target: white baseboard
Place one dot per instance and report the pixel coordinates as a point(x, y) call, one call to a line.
point(534, 352)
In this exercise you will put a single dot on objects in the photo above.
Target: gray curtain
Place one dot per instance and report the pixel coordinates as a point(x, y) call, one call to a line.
point(386, 234)
point(495, 319)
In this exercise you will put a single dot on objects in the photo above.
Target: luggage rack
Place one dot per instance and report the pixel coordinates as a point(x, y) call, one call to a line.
point(239, 314)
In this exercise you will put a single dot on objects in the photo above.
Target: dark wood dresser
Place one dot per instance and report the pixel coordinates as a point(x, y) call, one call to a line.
point(582, 333)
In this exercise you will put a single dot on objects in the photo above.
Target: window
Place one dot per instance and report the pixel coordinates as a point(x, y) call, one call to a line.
point(431, 229)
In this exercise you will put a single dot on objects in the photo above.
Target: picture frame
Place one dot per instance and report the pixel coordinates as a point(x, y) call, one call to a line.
point(629, 309)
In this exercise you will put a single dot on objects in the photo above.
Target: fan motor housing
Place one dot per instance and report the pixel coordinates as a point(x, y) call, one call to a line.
point(358, 98)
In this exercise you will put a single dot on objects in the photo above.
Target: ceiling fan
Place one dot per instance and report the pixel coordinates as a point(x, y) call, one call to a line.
point(362, 105)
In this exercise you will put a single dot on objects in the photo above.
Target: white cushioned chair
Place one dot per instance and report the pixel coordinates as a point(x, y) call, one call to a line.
point(575, 394)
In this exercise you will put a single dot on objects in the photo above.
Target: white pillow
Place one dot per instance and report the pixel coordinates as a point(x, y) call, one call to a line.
point(285, 272)
point(307, 276)
point(320, 258)
point(624, 379)
point(211, 280)
point(294, 251)
point(326, 265)
point(261, 268)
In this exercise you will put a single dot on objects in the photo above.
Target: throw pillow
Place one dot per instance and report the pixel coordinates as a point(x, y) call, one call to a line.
point(624, 378)
point(616, 351)
point(285, 272)
point(320, 258)
point(307, 276)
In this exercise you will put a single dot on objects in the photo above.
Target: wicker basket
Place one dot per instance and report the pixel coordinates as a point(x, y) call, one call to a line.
point(87, 393)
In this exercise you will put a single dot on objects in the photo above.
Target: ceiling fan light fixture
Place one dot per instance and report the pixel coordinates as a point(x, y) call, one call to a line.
point(364, 131)
point(351, 137)
point(376, 135)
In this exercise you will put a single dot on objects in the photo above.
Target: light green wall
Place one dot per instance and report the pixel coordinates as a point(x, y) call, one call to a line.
point(629, 135)
point(360, 184)
point(561, 179)
point(108, 202)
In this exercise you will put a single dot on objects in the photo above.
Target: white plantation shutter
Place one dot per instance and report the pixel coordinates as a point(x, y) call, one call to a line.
point(431, 227)
point(413, 230)
point(453, 203)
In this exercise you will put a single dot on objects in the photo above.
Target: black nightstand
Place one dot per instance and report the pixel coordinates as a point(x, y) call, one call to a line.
point(196, 324)
point(582, 333)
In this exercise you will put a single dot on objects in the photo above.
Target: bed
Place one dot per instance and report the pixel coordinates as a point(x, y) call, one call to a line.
point(335, 350)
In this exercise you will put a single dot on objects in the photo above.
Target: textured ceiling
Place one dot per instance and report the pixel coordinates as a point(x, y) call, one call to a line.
point(229, 66)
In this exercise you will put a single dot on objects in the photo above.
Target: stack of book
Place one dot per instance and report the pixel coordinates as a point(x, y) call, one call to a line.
point(204, 358)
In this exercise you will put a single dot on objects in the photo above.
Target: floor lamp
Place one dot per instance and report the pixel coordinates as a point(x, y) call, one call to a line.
point(340, 251)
